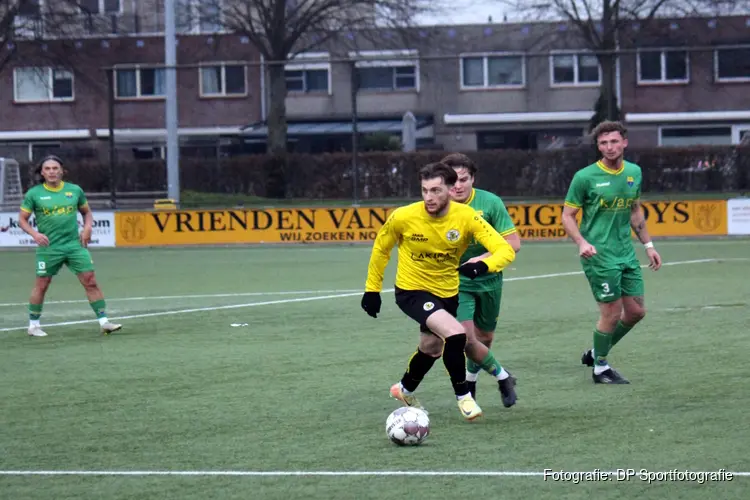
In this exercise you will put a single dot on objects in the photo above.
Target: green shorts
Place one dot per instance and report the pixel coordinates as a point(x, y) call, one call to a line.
point(50, 260)
point(482, 307)
point(612, 282)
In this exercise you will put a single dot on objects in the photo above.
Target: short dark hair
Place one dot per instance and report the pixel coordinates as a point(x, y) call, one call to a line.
point(606, 127)
point(460, 160)
point(439, 169)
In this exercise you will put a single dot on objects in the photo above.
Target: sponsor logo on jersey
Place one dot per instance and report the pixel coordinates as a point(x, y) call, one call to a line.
point(418, 237)
point(436, 256)
point(602, 184)
point(453, 235)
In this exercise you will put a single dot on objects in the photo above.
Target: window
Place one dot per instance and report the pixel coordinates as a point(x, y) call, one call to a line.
point(27, 22)
point(308, 73)
point(575, 69)
point(691, 136)
point(196, 16)
point(132, 83)
point(100, 6)
point(29, 8)
point(540, 139)
point(399, 78)
point(382, 70)
point(663, 66)
point(223, 80)
point(40, 150)
point(307, 80)
point(492, 71)
point(43, 85)
point(732, 64)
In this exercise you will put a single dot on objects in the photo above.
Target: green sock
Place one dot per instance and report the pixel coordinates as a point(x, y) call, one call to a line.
point(620, 331)
point(99, 307)
point(35, 311)
point(602, 344)
point(490, 365)
point(472, 367)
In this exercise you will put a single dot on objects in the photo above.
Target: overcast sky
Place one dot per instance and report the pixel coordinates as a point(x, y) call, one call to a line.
point(468, 12)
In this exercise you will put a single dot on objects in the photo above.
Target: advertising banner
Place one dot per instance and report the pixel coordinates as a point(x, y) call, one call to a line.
point(663, 218)
point(738, 215)
point(537, 221)
point(103, 234)
point(292, 225)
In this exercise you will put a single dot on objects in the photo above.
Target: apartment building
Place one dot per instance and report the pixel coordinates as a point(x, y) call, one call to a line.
point(498, 85)
point(55, 93)
point(534, 86)
point(688, 82)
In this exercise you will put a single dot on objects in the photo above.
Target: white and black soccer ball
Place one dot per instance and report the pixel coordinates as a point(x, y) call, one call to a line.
point(407, 426)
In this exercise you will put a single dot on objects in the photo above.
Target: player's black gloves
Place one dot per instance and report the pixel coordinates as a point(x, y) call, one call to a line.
point(473, 269)
point(371, 303)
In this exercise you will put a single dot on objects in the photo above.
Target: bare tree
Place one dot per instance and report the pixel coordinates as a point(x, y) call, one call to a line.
point(44, 32)
point(600, 23)
point(281, 29)
point(8, 14)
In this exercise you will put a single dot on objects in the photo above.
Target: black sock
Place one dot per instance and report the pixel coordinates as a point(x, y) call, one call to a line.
point(419, 364)
point(455, 362)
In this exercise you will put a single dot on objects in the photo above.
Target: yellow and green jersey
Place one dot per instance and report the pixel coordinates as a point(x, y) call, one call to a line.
point(56, 212)
point(492, 209)
point(606, 199)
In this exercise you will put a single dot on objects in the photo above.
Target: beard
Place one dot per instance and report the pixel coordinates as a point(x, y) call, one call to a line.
point(437, 208)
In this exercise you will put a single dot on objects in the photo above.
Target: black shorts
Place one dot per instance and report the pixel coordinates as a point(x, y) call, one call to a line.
point(419, 305)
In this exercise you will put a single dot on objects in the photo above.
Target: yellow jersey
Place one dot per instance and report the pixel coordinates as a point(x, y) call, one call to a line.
point(429, 248)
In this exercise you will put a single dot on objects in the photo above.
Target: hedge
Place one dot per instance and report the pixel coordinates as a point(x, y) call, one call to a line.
point(394, 174)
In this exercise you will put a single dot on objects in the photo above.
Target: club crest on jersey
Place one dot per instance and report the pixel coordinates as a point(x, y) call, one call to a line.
point(631, 181)
point(68, 194)
point(453, 235)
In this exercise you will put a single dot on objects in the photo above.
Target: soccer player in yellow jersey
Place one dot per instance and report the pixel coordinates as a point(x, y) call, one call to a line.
point(431, 236)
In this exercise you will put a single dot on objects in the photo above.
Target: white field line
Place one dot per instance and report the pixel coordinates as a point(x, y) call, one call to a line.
point(311, 292)
point(201, 309)
point(308, 299)
point(178, 297)
point(652, 475)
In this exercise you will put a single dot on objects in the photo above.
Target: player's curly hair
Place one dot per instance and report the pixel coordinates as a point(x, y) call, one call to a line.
point(38, 168)
point(438, 169)
point(606, 127)
point(460, 160)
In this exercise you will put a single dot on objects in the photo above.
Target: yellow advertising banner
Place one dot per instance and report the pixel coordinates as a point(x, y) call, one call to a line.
point(292, 225)
point(325, 225)
point(663, 218)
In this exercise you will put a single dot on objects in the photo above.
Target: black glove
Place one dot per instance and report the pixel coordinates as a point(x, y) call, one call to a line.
point(371, 303)
point(473, 269)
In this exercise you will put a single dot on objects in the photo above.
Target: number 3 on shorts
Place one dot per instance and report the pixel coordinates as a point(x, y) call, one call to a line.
point(605, 286)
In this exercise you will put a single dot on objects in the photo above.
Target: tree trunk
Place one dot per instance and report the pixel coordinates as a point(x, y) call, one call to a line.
point(608, 86)
point(277, 142)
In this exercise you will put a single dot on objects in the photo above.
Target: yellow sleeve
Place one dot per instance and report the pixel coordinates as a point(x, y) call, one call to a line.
point(502, 253)
point(387, 238)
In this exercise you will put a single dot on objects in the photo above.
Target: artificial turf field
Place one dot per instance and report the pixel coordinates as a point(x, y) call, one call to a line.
point(181, 404)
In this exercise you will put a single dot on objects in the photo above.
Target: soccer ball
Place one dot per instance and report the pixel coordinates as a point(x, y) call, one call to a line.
point(407, 426)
